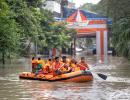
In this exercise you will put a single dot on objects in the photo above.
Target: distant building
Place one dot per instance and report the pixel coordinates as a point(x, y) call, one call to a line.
point(54, 6)
point(58, 7)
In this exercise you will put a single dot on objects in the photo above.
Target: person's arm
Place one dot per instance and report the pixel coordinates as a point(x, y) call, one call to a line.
point(53, 66)
point(87, 66)
point(61, 66)
point(80, 65)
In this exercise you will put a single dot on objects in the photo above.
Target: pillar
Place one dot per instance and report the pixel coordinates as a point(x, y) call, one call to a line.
point(105, 46)
point(98, 45)
point(102, 46)
point(53, 51)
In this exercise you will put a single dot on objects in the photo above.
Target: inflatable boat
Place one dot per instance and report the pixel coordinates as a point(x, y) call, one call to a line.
point(77, 76)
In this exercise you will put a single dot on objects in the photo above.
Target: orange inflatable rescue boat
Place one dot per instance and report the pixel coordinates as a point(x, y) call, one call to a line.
point(77, 76)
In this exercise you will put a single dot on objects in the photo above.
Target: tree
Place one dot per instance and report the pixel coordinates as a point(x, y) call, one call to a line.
point(24, 20)
point(9, 32)
point(121, 37)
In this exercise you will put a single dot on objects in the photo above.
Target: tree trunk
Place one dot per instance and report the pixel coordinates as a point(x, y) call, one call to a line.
point(35, 48)
point(60, 53)
point(9, 57)
point(3, 57)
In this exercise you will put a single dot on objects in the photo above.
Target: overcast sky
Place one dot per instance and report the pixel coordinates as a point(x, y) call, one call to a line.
point(81, 2)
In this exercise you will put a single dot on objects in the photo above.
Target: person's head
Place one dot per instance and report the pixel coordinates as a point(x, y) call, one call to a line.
point(39, 58)
point(64, 58)
point(82, 59)
point(57, 59)
point(33, 58)
point(73, 61)
point(49, 59)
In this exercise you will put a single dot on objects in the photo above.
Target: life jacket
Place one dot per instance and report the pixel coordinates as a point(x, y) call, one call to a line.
point(75, 67)
point(34, 63)
point(65, 67)
point(83, 66)
point(42, 62)
point(48, 67)
point(56, 65)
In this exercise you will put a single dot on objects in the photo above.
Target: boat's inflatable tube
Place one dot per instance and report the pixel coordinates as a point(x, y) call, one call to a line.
point(78, 76)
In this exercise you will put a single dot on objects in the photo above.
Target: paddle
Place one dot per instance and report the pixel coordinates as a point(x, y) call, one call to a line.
point(99, 74)
point(102, 76)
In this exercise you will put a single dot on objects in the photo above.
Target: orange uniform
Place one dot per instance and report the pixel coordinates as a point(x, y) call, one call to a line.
point(41, 62)
point(74, 67)
point(83, 66)
point(65, 67)
point(34, 65)
point(56, 65)
point(48, 67)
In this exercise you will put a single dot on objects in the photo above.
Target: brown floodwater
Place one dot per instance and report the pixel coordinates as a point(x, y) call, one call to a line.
point(116, 87)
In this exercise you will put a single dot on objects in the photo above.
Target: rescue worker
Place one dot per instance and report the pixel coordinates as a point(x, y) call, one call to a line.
point(65, 66)
point(34, 64)
point(74, 66)
point(40, 66)
point(82, 64)
point(48, 66)
point(56, 66)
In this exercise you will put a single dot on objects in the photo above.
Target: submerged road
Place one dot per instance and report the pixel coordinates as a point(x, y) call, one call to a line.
point(116, 87)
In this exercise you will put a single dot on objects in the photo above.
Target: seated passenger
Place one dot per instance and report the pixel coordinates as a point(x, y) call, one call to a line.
point(82, 64)
point(65, 66)
point(56, 66)
point(40, 66)
point(74, 66)
point(34, 64)
point(48, 66)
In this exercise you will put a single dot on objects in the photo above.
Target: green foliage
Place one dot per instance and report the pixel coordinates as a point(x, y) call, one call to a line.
point(24, 20)
point(121, 37)
point(25, 17)
point(57, 37)
point(9, 31)
point(34, 3)
point(99, 8)
point(118, 10)
point(89, 7)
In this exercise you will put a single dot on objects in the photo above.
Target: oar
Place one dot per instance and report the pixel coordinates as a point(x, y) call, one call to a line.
point(102, 76)
point(99, 74)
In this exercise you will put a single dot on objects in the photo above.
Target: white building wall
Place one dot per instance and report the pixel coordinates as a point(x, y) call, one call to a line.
point(52, 6)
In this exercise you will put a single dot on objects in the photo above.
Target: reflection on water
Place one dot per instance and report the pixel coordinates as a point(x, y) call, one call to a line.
point(116, 87)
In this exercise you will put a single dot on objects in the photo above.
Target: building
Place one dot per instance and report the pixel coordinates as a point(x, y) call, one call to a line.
point(58, 7)
point(54, 6)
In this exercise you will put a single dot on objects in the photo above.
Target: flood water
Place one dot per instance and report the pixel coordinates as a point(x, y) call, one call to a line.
point(116, 87)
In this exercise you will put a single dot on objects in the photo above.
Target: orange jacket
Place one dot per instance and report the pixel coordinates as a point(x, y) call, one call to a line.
point(41, 62)
point(83, 66)
point(34, 63)
point(74, 67)
point(48, 67)
point(56, 65)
